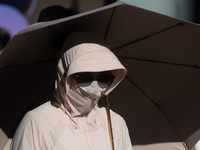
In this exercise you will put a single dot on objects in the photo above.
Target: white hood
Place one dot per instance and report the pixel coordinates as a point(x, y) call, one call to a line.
point(86, 57)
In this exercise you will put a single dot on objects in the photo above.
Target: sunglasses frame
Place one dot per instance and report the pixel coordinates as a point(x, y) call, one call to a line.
point(94, 78)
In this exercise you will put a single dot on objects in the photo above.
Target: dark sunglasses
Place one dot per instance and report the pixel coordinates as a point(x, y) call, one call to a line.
point(104, 79)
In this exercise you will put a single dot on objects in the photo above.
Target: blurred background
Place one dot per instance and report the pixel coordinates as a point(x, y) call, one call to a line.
point(15, 15)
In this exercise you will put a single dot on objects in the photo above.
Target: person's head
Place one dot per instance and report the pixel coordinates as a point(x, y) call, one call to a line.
point(86, 71)
point(55, 12)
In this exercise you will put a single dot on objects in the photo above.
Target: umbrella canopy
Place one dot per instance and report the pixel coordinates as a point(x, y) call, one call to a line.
point(159, 97)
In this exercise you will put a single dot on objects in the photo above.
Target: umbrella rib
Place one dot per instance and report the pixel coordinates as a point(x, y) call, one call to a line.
point(108, 27)
point(34, 63)
point(157, 61)
point(159, 107)
point(28, 109)
point(148, 36)
point(37, 103)
point(142, 92)
point(55, 29)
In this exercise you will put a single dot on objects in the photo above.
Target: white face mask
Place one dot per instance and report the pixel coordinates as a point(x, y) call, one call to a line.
point(84, 99)
point(94, 91)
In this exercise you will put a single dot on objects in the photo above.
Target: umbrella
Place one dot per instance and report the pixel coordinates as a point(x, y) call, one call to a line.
point(158, 98)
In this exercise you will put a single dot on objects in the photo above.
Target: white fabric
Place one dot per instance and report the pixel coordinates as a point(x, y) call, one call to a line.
point(92, 94)
point(48, 128)
point(76, 122)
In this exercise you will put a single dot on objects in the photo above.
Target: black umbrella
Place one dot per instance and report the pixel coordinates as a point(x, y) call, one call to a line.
point(159, 97)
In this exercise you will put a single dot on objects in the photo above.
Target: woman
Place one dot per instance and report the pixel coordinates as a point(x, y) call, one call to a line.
point(73, 120)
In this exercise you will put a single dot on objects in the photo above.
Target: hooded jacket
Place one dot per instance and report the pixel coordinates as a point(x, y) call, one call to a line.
point(59, 124)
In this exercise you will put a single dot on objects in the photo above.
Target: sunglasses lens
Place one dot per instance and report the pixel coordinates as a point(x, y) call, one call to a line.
point(105, 80)
point(84, 79)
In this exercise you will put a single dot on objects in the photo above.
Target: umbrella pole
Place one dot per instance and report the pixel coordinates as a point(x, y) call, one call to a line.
point(185, 145)
point(109, 123)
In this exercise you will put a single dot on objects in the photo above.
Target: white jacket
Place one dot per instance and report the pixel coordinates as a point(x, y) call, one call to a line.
point(52, 126)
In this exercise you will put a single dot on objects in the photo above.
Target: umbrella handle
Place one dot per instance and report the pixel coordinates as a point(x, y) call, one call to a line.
point(109, 123)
